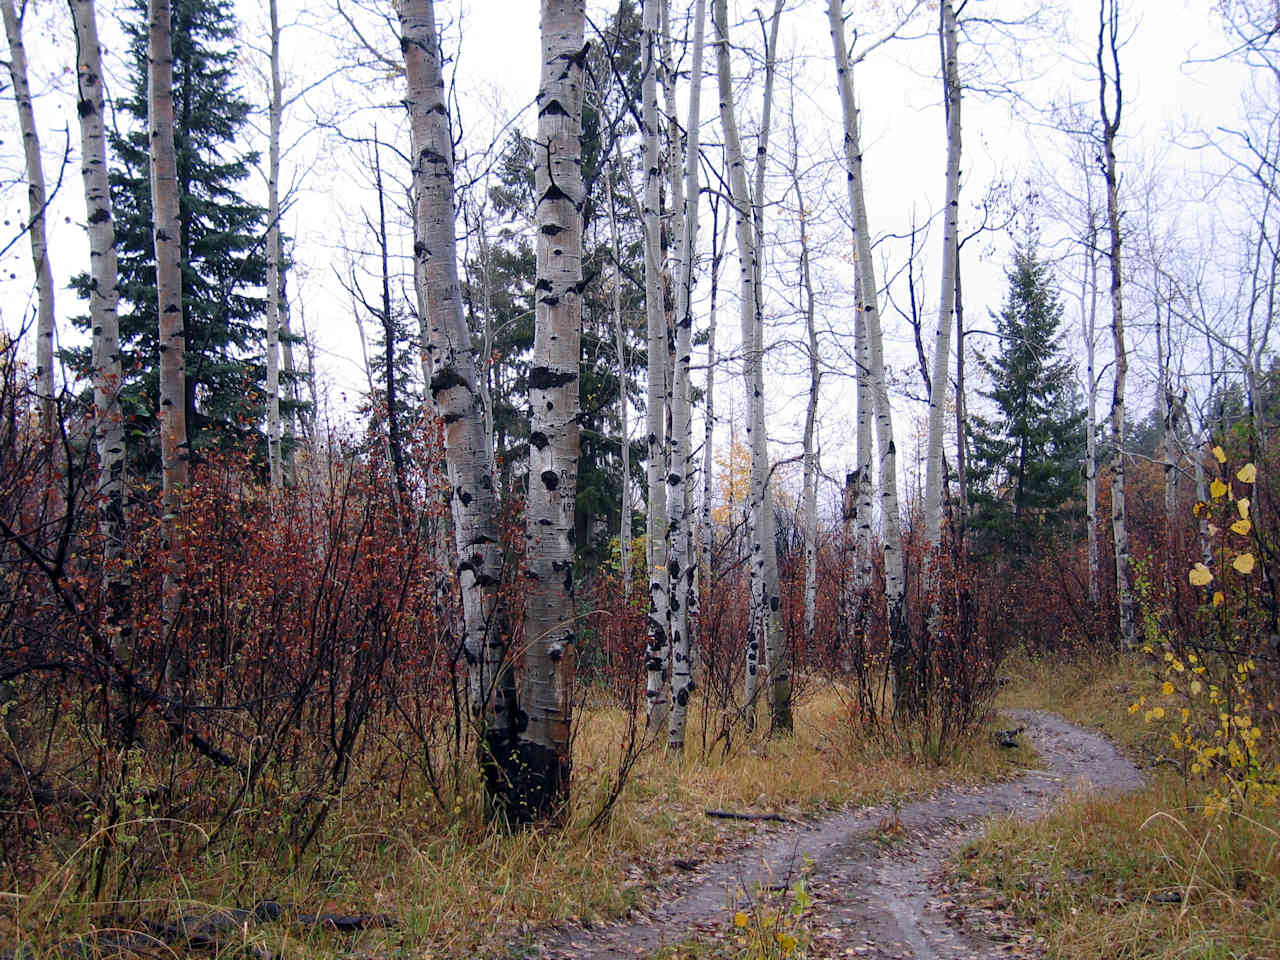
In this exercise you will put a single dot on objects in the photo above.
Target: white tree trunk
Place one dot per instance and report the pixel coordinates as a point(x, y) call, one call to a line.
point(174, 451)
point(1089, 316)
point(765, 616)
point(289, 443)
point(550, 617)
point(620, 340)
point(104, 297)
point(681, 562)
point(777, 654)
point(934, 480)
point(1108, 41)
point(275, 468)
point(458, 399)
point(874, 364)
point(809, 496)
point(658, 653)
point(36, 201)
point(705, 533)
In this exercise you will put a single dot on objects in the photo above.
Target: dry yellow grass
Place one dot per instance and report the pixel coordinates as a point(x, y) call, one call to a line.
point(1143, 876)
point(455, 886)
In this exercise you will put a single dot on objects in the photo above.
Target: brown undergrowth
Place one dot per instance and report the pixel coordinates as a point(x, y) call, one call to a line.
point(451, 885)
point(1147, 875)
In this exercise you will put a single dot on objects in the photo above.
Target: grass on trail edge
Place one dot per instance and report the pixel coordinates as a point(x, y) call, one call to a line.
point(1144, 875)
point(454, 886)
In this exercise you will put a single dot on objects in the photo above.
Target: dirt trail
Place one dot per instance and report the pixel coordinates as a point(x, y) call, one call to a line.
point(871, 899)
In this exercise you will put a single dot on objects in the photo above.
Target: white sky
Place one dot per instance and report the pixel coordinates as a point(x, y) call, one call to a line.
point(902, 137)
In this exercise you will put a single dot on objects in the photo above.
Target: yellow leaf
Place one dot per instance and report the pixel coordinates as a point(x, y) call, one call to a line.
point(1166, 688)
point(1218, 600)
point(1158, 713)
point(1219, 454)
point(1243, 563)
point(1200, 576)
point(1241, 527)
point(740, 919)
point(1217, 489)
point(1247, 474)
point(1195, 687)
point(1243, 506)
point(1199, 507)
point(1214, 529)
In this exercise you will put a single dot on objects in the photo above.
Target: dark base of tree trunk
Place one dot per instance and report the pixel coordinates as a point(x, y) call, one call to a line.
point(524, 782)
point(780, 716)
point(907, 675)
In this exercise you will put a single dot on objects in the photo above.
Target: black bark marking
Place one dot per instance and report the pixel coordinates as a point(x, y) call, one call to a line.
point(446, 378)
point(550, 479)
point(544, 378)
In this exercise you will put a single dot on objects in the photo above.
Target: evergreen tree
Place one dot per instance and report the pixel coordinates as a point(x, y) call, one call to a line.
point(223, 251)
point(1025, 468)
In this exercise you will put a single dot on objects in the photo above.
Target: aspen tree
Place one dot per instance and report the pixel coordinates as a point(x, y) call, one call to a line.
point(934, 480)
point(288, 444)
point(1110, 105)
point(275, 468)
point(549, 625)
point(657, 654)
point(1089, 321)
point(453, 380)
point(681, 563)
point(809, 486)
point(719, 239)
point(872, 366)
point(620, 341)
point(36, 203)
point(765, 621)
point(104, 298)
point(174, 452)
point(777, 654)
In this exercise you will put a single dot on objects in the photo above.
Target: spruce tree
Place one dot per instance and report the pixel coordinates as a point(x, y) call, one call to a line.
point(1025, 468)
point(224, 262)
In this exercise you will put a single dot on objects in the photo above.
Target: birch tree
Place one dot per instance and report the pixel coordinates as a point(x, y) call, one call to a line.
point(934, 481)
point(37, 201)
point(449, 355)
point(104, 298)
point(549, 625)
point(681, 563)
point(657, 654)
point(1110, 106)
point(871, 366)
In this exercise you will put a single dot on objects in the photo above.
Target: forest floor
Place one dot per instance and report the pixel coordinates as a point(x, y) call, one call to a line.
point(866, 883)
